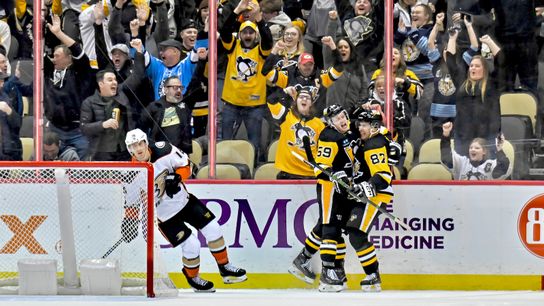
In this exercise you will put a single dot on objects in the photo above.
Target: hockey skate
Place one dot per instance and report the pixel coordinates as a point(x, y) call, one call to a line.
point(301, 269)
point(372, 283)
point(232, 274)
point(329, 281)
point(199, 284)
point(342, 276)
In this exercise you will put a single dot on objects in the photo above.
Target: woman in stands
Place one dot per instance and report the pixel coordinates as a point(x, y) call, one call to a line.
point(284, 55)
point(477, 165)
point(352, 86)
point(362, 22)
point(477, 96)
point(407, 85)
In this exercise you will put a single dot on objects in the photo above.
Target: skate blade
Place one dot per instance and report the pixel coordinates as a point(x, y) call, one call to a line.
point(330, 288)
point(296, 273)
point(372, 288)
point(212, 290)
point(234, 279)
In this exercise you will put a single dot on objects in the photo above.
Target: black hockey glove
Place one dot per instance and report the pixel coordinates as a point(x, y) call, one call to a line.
point(340, 176)
point(395, 151)
point(364, 190)
point(129, 229)
point(171, 184)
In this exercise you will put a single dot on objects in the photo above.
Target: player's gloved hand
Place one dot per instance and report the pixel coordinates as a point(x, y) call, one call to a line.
point(171, 184)
point(395, 151)
point(340, 176)
point(129, 229)
point(364, 190)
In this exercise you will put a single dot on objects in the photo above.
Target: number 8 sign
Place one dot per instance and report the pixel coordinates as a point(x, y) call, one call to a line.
point(531, 225)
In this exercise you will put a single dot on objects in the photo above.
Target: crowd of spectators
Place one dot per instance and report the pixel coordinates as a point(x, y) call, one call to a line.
point(114, 65)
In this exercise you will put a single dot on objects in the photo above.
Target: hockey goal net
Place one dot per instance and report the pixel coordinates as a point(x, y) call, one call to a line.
point(70, 212)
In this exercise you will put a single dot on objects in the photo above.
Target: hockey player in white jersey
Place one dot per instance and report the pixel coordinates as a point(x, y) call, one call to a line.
point(175, 207)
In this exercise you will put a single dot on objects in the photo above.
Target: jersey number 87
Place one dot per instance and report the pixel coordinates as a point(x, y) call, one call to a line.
point(377, 158)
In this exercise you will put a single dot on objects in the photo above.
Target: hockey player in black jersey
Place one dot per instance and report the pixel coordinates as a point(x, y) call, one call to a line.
point(335, 155)
point(176, 207)
point(301, 264)
point(372, 181)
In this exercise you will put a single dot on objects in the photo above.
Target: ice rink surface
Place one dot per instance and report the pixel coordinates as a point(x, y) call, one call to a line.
point(288, 297)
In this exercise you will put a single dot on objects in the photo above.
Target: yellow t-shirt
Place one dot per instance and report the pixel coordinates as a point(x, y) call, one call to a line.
point(244, 83)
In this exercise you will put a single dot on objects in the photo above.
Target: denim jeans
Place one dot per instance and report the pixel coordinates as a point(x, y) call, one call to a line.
point(233, 116)
point(73, 138)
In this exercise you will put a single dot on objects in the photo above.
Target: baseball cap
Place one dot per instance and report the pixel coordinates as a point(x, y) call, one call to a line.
point(305, 58)
point(121, 47)
point(171, 43)
point(250, 24)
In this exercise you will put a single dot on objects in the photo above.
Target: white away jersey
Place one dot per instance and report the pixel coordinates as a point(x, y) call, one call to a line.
point(166, 158)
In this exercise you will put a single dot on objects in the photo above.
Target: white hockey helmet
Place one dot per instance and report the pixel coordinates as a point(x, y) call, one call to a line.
point(135, 136)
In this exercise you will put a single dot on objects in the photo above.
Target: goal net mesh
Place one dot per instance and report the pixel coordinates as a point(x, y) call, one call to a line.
point(45, 207)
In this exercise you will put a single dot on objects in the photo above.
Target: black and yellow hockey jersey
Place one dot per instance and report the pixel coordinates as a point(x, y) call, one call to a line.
point(373, 166)
point(334, 153)
point(293, 129)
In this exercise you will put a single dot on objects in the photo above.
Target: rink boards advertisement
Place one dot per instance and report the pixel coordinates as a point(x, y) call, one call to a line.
point(462, 237)
point(482, 234)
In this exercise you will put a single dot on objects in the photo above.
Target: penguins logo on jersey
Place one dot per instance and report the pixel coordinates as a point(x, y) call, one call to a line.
point(349, 152)
point(445, 84)
point(475, 176)
point(409, 50)
point(300, 131)
point(359, 29)
point(245, 68)
point(283, 64)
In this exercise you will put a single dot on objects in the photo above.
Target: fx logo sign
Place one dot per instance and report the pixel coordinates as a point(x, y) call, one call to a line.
point(23, 234)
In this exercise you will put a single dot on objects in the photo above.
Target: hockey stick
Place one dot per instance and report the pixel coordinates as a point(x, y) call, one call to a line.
point(113, 247)
point(351, 193)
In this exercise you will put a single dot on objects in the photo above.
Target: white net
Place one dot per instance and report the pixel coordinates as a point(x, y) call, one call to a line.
point(80, 211)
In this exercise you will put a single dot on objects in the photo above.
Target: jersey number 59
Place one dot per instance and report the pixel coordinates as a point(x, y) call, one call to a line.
point(324, 152)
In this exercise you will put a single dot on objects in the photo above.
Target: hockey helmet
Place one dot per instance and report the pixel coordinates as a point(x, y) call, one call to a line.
point(135, 136)
point(332, 111)
point(370, 116)
point(374, 117)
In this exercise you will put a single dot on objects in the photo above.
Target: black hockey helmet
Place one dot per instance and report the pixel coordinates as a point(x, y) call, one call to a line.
point(374, 117)
point(332, 111)
point(370, 116)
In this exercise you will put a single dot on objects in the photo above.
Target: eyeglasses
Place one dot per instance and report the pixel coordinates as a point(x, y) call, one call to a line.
point(175, 87)
point(290, 34)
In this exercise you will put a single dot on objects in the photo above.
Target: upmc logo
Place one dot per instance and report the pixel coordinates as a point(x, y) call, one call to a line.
point(531, 225)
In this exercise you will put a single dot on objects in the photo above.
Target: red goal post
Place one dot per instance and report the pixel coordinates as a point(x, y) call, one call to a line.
point(71, 211)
